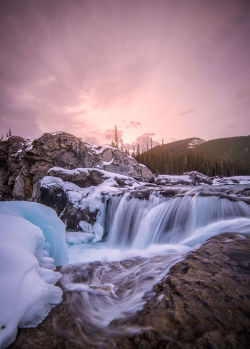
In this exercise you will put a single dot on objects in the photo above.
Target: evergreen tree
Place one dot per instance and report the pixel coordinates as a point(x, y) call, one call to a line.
point(116, 138)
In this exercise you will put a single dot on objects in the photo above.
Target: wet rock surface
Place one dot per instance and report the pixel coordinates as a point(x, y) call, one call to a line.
point(24, 162)
point(204, 302)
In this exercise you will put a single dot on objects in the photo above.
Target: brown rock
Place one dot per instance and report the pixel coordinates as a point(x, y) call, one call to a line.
point(204, 302)
point(23, 165)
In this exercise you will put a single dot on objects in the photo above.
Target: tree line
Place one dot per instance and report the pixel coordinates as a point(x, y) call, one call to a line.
point(161, 161)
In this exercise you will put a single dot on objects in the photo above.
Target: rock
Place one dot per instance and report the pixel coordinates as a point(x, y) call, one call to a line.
point(199, 178)
point(79, 194)
point(202, 303)
point(173, 180)
point(188, 178)
point(24, 162)
point(10, 165)
point(86, 177)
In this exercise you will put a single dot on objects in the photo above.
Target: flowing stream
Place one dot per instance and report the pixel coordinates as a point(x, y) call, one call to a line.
point(114, 278)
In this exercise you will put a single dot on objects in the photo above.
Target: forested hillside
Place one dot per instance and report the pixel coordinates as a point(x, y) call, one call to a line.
point(223, 157)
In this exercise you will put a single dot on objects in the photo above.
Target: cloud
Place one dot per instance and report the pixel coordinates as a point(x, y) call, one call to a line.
point(134, 124)
point(83, 66)
point(243, 93)
point(146, 140)
point(186, 112)
point(110, 135)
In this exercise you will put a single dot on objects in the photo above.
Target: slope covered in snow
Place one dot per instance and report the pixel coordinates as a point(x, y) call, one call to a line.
point(32, 240)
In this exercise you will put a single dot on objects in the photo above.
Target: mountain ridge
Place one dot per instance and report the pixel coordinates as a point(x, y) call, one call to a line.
point(222, 156)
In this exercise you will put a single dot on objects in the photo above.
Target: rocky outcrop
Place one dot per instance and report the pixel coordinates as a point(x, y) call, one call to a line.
point(188, 178)
point(86, 177)
point(204, 302)
point(199, 178)
point(24, 163)
point(78, 195)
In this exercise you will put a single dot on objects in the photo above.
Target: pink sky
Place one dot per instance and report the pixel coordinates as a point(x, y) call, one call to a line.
point(174, 69)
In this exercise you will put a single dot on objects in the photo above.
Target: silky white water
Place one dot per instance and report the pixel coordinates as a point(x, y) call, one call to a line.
point(144, 238)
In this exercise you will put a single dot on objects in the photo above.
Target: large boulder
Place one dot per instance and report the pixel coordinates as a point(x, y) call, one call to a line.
point(24, 162)
point(202, 303)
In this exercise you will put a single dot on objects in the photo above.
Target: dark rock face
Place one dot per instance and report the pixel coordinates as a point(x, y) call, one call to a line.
point(203, 303)
point(10, 165)
point(23, 163)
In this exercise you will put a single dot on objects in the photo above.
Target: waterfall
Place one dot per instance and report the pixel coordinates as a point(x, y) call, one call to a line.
point(137, 223)
point(144, 237)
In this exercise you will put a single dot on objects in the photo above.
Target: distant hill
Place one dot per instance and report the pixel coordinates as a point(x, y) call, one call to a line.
point(223, 156)
point(227, 149)
point(180, 146)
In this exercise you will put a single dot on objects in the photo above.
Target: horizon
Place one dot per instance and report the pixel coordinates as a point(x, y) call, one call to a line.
point(161, 69)
point(128, 146)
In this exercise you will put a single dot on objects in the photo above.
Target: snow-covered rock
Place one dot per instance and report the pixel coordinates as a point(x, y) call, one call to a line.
point(79, 195)
point(232, 180)
point(25, 162)
point(173, 180)
point(199, 178)
point(31, 235)
point(188, 178)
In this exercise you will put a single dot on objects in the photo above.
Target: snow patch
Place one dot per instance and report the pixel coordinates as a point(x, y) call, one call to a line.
point(107, 163)
point(195, 142)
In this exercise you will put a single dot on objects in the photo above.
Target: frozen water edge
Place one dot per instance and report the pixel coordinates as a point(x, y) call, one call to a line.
point(30, 232)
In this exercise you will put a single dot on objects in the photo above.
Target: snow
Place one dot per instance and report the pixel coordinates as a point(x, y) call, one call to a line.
point(91, 197)
point(107, 163)
point(106, 175)
point(187, 180)
point(56, 133)
point(195, 142)
point(86, 171)
point(174, 179)
point(28, 144)
point(27, 279)
point(232, 180)
point(98, 149)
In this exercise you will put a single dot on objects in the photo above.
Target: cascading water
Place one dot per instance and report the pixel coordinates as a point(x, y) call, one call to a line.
point(144, 238)
point(139, 223)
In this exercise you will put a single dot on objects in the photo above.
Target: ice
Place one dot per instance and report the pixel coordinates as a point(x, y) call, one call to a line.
point(77, 237)
point(44, 217)
point(27, 279)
